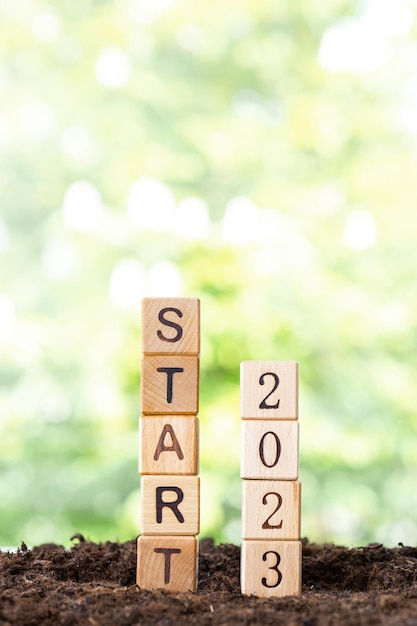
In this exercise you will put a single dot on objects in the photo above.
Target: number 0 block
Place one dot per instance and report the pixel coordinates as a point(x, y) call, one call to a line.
point(271, 568)
point(269, 390)
point(269, 449)
point(167, 563)
point(171, 325)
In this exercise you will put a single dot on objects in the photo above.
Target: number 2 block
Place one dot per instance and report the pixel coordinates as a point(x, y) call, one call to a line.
point(271, 509)
point(269, 390)
point(271, 568)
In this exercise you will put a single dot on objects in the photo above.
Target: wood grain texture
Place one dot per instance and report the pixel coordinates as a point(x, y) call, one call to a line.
point(167, 563)
point(270, 449)
point(170, 505)
point(171, 326)
point(168, 445)
point(169, 385)
point(269, 390)
point(271, 509)
point(271, 568)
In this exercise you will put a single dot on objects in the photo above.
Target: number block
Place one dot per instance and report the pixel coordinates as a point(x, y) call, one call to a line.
point(170, 505)
point(171, 325)
point(269, 390)
point(271, 509)
point(271, 568)
point(168, 445)
point(270, 449)
point(169, 385)
point(167, 563)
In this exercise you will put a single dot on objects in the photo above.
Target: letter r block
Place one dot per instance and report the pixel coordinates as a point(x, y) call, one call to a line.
point(167, 563)
point(169, 385)
point(170, 505)
point(171, 326)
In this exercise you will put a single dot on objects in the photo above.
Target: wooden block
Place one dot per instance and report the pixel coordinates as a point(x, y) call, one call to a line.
point(271, 509)
point(171, 325)
point(170, 505)
point(269, 449)
point(271, 568)
point(167, 563)
point(168, 445)
point(169, 385)
point(269, 390)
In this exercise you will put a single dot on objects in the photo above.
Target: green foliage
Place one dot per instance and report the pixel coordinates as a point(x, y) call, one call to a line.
point(257, 155)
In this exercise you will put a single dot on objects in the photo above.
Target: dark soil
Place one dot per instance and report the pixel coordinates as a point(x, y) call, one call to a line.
point(94, 584)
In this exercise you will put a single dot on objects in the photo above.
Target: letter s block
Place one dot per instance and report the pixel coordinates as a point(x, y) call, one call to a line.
point(171, 326)
point(170, 505)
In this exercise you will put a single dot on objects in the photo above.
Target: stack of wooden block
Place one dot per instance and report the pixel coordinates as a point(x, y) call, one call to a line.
point(168, 444)
point(271, 493)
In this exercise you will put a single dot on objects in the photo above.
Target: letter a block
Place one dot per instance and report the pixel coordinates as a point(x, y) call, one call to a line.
point(168, 444)
point(167, 562)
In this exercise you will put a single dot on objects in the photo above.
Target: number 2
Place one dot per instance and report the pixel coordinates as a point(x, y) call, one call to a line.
point(266, 525)
point(263, 404)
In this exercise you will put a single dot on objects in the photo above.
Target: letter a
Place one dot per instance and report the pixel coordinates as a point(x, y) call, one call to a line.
point(174, 447)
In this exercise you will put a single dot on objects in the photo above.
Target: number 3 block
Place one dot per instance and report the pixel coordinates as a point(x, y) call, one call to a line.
point(269, 390)
point(271, 568)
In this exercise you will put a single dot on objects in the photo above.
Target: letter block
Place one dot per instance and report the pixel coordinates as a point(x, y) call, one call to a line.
point(271, 568)
point(269, 449)
point(269, 390)
point(167, 562)
point(168, 444)
point(170, 505)
point(169, 385)
point(171, 326)
point(271, 509)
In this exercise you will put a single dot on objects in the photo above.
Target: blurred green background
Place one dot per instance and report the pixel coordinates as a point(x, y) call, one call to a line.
point(260, 155)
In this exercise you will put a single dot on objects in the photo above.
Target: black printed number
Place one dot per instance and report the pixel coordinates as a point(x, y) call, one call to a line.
point(264, 404)
point(266, 525)
point(274, 568)
point(277, 449)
